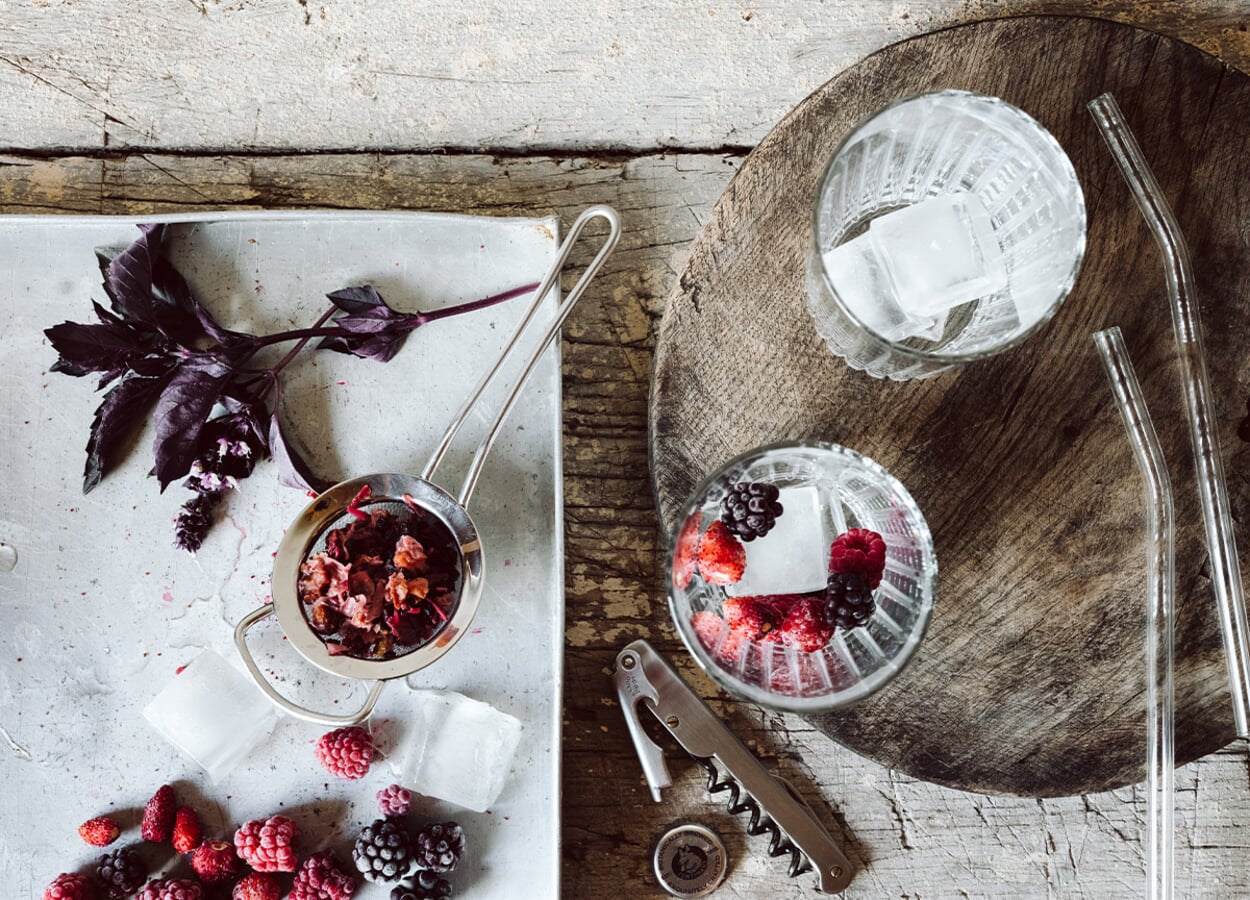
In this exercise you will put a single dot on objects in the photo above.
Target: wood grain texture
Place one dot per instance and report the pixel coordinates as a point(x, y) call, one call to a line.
point(279, 75)
point(1031, 677)
point(909, 839)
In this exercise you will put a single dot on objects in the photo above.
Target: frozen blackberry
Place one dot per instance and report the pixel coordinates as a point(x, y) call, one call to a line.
point(439, 847)
point(750, 509)
point(383, 851)
point(848, 601)
point(425, 885)
point(122, 871)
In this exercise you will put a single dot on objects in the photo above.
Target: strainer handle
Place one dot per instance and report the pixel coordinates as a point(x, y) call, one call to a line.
point(606, 213)
point(285, 704)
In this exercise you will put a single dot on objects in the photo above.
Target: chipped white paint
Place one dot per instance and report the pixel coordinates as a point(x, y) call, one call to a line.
point(610, 74)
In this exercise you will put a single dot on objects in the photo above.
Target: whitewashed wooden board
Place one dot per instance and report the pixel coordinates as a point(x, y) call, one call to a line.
point(258, 75)
point(103, 609)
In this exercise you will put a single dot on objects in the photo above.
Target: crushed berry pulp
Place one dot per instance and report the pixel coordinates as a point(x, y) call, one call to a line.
point(384, 585)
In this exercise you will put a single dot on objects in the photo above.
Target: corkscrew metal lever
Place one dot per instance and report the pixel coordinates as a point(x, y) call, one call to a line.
point(644, 678)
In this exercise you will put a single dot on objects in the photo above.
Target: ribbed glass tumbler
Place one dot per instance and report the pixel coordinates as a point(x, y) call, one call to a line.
point(757, 611)
point(947, 227)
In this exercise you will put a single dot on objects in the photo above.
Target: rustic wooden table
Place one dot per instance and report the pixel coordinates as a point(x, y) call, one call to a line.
point(493, 108)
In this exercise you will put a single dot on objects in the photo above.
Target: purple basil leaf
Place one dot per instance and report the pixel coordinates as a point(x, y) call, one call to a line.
point(145, 287)
point(252, 417)
point(109, 377)
point(121, 413)
point(185, 318)
point(363, 300)
point(375, 330)
point(293, 471)
point(105, 317)
point(95, 348)
point(381, 347)
point(128, 275)
point(185, 405)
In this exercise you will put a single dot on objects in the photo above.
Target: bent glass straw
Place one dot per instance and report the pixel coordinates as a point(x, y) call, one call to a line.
point(1216, 515)
point(1160, 608)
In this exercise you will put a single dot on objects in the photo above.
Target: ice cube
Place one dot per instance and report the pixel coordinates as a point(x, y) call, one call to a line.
point(213, 713)
point(857, 275)
point(939, 254)
point(794, 556)
point(459, 749)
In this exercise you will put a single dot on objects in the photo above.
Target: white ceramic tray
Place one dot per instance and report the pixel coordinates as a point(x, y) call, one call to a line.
point(101, 609)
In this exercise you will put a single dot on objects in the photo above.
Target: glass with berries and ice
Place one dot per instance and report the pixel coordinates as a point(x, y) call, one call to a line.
point(802, 576)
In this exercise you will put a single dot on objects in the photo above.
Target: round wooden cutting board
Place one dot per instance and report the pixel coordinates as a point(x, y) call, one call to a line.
point(1031, 678)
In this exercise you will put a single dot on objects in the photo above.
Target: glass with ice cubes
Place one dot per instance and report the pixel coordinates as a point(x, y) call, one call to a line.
point(948, 227)
point(758, 613)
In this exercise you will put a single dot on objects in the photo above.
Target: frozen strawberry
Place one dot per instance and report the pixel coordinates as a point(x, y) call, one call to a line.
point(99, 832)
point(186, 830)
point(804, 627)
point(216, 861)
point(685, 551)
point(861, 552)
point(257, 886)
point(750, 617)
point(158, 815)
point(722, 558)
point(718, 640)
point(781, 604)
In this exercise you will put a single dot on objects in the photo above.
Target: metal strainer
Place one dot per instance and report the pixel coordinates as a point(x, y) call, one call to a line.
point(307, 534)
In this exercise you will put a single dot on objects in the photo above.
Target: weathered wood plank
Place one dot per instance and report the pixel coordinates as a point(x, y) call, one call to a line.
point(225, 75)
point(913, 839)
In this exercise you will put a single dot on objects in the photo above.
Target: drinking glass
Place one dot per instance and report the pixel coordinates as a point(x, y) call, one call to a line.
point(948, 227)
point(824, 490)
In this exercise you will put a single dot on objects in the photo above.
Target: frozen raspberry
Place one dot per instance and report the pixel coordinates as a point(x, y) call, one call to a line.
point(268, 845)
point(187, 832)
point(749, 617)
point(750, 509)
point(322, 877)
point(860, 552)
point(122, 871)
point(215, 861)
point(346, 753)
point(158, 815)
point(70, 886)
point(721, 559)
point(439, 847)
point(394, 801)
point(804, 627)
point(99, 832)
point(716, 638)
point(685, 550)
point(383, 851)
point(172, 889)
point(425, 885)
point(257, 886)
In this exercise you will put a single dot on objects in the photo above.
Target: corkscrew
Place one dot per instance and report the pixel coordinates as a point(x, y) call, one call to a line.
point(773, 806)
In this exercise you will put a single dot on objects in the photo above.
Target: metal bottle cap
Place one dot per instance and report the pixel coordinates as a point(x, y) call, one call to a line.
point(690, 861)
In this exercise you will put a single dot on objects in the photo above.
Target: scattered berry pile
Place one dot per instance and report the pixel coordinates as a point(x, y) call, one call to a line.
point(390, 850)
point(384, 585)
point(806, 622)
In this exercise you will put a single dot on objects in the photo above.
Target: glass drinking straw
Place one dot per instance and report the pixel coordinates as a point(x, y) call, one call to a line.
point(1160, 607)
point(1216, 516)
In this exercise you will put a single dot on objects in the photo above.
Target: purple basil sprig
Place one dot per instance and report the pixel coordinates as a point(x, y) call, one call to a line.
point(160, 352)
